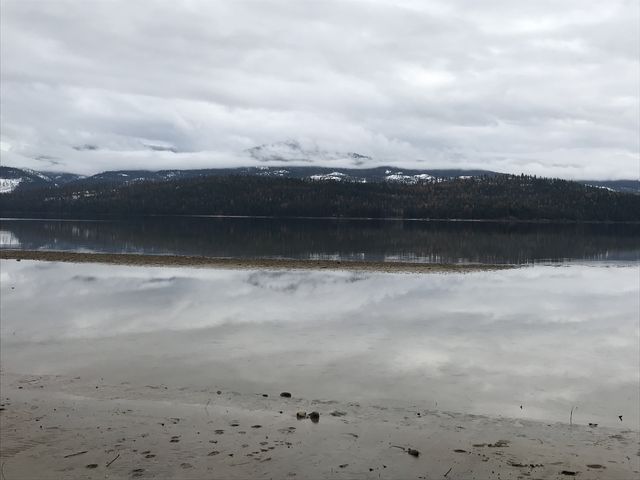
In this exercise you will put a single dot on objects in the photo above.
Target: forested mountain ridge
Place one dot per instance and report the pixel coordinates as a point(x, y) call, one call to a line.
point(24, 179)
point(490, 197)
point(21, 179)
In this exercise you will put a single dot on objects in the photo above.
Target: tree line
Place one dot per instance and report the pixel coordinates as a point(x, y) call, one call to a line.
point(502, 197)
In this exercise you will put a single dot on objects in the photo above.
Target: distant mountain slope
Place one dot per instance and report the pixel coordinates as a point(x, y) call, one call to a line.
point(509, 197)
point(12, 178)
point(294, 151)
point(17, 178)
point(364, 175)
point(629, 186)
point(31, 178)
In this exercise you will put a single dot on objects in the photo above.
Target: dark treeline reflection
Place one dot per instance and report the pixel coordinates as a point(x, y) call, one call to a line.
point(324, 238)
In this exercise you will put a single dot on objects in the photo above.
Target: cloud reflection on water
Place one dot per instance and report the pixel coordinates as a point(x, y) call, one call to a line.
point(547, 338)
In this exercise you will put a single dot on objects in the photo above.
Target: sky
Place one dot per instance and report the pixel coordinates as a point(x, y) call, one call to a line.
point(550, 87)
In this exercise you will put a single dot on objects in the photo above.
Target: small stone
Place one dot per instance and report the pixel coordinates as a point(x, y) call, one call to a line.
point(301, 415)
point(285, 395)
point(499, 444)
point(92, 465)
point(413, 452)
point(315, 417)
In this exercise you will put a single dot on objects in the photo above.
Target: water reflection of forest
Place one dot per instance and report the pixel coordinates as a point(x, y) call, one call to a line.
point(355, 239)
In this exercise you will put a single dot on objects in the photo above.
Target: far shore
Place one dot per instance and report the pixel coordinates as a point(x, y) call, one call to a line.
point(37, 216)
point(244, 263)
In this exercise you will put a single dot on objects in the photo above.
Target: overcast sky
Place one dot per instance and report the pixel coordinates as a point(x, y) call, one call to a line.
point(543, 87)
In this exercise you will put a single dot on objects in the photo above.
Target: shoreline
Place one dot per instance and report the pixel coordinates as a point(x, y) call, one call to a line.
point(107, 218)
point(93, 427)
point(245, 263)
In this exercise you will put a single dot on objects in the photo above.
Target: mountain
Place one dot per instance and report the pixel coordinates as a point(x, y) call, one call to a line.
point(13, 178)
point(16, 178)
point(19, 179)
point(487, 197)
point(628, 186)
point(293, 151)
point(358, 175)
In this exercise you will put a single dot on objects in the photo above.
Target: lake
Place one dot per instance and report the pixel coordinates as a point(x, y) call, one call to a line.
point(374, 240)
point(529, 343)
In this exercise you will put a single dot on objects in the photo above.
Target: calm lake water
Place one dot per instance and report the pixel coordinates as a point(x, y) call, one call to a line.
point(441, 242)
point(547, 338)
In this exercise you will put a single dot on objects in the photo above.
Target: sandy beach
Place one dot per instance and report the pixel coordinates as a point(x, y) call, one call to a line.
point(62, 427)
point(242, 263)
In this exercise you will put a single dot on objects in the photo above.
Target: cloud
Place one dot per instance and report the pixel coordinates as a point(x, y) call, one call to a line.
point(549, 88)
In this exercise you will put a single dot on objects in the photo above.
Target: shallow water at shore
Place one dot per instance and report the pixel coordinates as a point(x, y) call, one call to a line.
point(527, 343)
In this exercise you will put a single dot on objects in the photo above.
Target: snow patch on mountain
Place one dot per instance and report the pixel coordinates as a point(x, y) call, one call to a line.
point(602, 187)
point(8, 185)
point(273, 173)
point(335, 176)
point(399, 177)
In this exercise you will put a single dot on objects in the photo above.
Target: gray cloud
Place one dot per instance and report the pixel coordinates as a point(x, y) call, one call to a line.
point(550, 87)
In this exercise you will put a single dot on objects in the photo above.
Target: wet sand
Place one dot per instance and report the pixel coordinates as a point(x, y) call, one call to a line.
point(73, 427)
point(243, 263)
